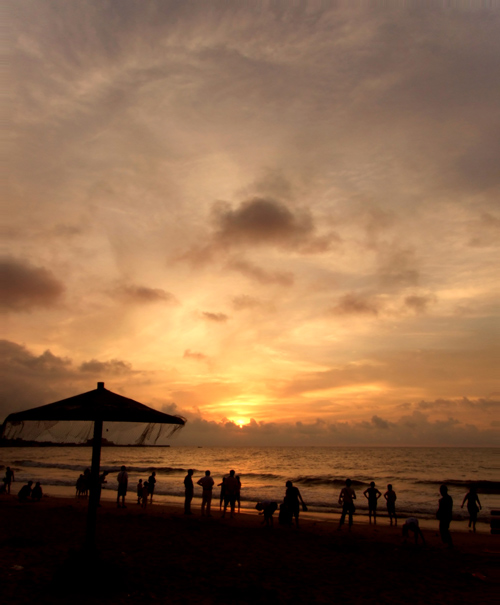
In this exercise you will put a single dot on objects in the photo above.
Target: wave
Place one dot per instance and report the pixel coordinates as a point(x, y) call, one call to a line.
point(482, 486)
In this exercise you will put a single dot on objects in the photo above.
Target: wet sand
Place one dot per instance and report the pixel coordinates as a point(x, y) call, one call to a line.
point(159, 555)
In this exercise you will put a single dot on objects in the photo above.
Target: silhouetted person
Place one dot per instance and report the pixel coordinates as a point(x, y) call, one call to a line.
point(139, 491)
point(444, 515)
point(390, 496)
point(80, 486)
point(102, 481)
point(36, 493)
point(293, 500)
point(9, 478)
point(238, 493)
point(207, 483)
point(25, 492)
point(151, 484)
point(231, 488)
point(411, 525)
point(122, 479)
point(473, 506)
point(222, 495)
point(346, 499)
point(372, 495)
point(267, 509)
point(145, 494)
point(188, 491)
point(86, 481)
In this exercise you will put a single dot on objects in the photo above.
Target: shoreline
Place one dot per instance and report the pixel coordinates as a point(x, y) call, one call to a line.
point(177, 502)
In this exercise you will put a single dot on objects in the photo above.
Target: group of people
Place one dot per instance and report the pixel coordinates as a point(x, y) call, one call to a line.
point(145, 490)
point(29, 493)
point(372, 494)
point(230, 490)
point(444, 513)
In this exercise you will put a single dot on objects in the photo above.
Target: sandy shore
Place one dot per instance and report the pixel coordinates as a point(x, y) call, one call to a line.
point(160, 555)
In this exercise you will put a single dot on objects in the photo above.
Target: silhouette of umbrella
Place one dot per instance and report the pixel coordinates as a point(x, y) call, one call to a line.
point(98, 406)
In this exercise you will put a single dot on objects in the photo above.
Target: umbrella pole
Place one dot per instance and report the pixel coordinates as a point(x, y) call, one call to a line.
point(94, 487)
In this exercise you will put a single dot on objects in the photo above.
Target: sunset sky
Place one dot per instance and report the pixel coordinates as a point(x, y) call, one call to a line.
point(283, 215)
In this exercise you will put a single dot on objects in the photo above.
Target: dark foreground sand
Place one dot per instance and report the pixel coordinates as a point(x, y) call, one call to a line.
point(159, 555)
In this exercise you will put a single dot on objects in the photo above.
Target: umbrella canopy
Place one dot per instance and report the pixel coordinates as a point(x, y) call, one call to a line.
point(99, 404)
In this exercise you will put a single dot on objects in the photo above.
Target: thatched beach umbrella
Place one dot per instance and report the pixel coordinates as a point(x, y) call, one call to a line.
point(97, 406)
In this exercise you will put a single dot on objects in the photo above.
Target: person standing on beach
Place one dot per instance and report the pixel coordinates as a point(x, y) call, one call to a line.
point(346, 500)
point(372, 495)
point(9, 478)
point(122, 478)
point(390, 496)
point(222, 486)
point(188, 492)
point(139, 491)
point(473, 506)
point(293, 499)
point(444, 514)
point(230, 493)
point(207, 483)
point(151, 486)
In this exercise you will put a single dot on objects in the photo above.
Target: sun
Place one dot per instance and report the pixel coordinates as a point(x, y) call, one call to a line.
point(241, 422)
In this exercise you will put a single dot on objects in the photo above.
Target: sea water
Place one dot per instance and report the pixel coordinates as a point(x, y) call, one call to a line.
point(318, 472)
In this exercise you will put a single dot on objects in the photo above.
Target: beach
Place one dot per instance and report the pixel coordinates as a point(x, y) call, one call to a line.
point(158, 554)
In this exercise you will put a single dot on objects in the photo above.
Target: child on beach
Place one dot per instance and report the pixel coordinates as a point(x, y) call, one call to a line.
point(139, 491)
point(346, 500)
point(473, 506)
point(390, 496)
point(145, 494)
point(411, 524)
point(372, 495)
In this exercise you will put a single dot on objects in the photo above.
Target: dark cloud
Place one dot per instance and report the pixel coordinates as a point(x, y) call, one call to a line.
point(114, 367)
point(215, 317)
point(411, 429)
point(243, 302)
point(379, 423)
point(260, 275)
point(419, 304)
point(19, 360)
point(356, 304)
point(261, 221)
point(144, 295)
point(28, 380)
point(25, 287)
point(188, 354)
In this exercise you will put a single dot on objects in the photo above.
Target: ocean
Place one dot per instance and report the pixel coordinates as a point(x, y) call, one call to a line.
point(319, 473)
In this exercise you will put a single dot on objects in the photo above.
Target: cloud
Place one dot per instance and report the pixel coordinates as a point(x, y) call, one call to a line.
point(379, 423)
point(356, 304)
point(143, 295)
point(25, 287)
point(419, 304)
point(248, 269)
point(215, 317)
point(114, 367)
point(260, 220)
point(412, 429)
point(188, 354)
point(244, 302)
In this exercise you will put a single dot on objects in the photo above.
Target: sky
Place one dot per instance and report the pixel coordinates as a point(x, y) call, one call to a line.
point(278, 219)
